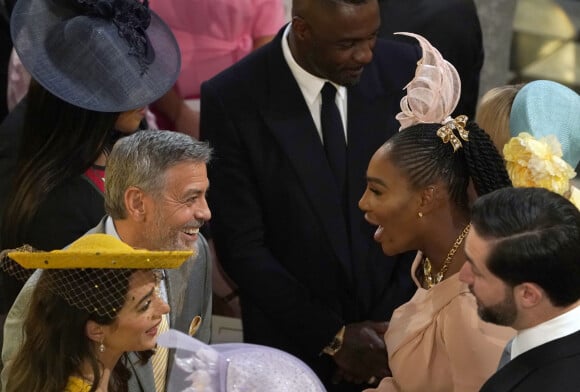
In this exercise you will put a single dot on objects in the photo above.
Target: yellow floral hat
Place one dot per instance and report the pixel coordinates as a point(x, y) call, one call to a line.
point(532, 162)
point(100, 251)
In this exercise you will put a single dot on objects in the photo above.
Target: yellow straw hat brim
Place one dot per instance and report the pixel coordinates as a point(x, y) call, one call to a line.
point(100, 251)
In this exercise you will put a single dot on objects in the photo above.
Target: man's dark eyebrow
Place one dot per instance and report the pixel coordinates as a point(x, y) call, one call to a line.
point(358, 38)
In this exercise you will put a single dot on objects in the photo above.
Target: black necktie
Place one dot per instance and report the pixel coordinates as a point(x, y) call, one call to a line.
point(333, 135)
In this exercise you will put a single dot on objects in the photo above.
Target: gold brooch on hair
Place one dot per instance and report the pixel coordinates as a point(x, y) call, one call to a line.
point(447, 135)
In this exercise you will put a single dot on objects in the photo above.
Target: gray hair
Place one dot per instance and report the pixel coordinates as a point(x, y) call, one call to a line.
point(141, 160)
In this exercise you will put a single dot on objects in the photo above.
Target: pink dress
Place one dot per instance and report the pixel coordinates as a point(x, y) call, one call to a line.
point(214, 34)
point(437, 342)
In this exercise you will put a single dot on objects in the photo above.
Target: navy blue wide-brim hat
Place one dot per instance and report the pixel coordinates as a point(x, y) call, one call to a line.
point(100, 55)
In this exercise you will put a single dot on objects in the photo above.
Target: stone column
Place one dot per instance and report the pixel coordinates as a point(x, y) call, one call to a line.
point(496, 18)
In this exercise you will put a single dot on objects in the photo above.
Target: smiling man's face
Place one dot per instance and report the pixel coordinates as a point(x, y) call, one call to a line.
point(180, 209)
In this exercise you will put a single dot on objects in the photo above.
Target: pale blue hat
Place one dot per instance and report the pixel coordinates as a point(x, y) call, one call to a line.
point(543, 108)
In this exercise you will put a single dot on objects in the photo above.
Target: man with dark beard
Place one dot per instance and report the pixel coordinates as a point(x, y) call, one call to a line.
point(156, 184)
point(294, 125)
point(523, 267)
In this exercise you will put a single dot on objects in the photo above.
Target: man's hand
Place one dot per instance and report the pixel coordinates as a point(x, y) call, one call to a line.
point(363, 354)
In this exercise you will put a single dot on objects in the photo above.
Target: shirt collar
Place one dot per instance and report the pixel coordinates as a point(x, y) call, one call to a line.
point(558, 327)
point(110, 227)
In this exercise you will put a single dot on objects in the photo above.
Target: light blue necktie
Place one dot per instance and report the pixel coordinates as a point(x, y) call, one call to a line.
point(506, 355)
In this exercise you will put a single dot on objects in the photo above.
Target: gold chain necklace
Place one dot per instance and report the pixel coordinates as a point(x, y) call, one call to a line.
point(431, 280)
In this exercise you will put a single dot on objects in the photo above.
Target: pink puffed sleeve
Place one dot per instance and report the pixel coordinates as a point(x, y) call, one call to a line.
point(269, 17)
point(473, 346)
point(387, 384)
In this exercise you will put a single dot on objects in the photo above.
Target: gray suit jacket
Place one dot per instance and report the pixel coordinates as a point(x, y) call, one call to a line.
point(189, 293)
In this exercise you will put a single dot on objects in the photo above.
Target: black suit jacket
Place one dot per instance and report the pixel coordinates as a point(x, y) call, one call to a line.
point(553, 366)
point(277, 222)
point(453, 27)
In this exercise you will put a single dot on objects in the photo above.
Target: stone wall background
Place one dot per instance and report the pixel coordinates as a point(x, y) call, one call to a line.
point(496, 18)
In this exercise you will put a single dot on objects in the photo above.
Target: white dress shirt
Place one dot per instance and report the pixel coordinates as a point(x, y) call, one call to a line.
point(311, 86)
point(556, 328)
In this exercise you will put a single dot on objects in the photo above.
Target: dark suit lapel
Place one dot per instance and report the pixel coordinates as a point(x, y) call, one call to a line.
point(176, 285)
point(289, 119)
point(173, 281)
point(176, 281)
point(512, 374)
point(509, 376)
point(369, 124)
point(362, 141)
point(142, 379)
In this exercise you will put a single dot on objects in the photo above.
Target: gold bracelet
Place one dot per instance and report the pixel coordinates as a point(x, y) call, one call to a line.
point(336, 344)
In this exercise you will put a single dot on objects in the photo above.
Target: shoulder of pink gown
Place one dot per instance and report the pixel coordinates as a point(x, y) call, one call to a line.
point(387, 384)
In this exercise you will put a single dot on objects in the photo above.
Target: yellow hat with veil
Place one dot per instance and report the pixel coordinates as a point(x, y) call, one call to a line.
point(93, 273)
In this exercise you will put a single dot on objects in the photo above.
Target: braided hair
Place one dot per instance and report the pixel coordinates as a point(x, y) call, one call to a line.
point(424, 158)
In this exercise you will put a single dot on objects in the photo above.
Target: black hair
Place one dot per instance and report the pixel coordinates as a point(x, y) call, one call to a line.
point(56, 345)
point(424, 158)
point(536, 237)
point(300, 6)
point(59, 141)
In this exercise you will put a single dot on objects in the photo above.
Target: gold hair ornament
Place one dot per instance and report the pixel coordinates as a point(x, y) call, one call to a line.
point(447, 135)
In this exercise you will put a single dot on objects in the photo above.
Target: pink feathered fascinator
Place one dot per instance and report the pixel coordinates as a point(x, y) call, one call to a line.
point(433, 93)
